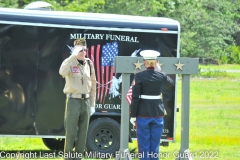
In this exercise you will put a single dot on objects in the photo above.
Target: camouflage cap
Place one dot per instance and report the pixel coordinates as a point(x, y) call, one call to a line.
point(80, 41)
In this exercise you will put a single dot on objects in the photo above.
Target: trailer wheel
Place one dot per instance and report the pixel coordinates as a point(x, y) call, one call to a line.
point(103, 136)
point(54, 143)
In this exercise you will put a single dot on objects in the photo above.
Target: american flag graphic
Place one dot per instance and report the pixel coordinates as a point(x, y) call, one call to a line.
point(103, 60)
point(109, 51)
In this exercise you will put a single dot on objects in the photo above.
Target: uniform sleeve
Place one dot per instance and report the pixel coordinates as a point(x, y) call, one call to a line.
point(136, 89)
point(93, 88)
point(65, 67)
point(169, 81)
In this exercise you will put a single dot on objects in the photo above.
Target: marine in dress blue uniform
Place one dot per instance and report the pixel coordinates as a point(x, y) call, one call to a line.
point(147, 109)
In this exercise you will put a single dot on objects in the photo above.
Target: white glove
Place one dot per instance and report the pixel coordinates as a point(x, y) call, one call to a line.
point(92, 110)
point(157, 68)
point(76, 50)
point(133, 121)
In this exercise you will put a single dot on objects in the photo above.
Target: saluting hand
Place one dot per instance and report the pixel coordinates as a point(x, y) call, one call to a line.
point(76, 50)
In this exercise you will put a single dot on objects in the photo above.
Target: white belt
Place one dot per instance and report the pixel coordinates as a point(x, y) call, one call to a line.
point(150, 97)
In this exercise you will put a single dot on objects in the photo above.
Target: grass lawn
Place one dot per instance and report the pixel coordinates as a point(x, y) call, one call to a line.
point(214, 122)
point(214, 117)
point(221, 67)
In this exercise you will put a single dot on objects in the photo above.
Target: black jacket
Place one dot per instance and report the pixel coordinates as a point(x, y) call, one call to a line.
point(149, 82)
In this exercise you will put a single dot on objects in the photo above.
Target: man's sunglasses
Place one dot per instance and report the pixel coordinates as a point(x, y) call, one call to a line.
point(83, 50)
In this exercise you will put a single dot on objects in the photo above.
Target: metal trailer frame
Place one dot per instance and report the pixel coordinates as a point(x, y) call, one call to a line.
point(91, 21)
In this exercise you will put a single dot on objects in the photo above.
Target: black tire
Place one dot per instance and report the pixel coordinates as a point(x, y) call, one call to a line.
point(103, 136)
point(54, 143)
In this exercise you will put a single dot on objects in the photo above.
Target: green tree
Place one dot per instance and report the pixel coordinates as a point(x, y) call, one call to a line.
point(209, 26)
point(9, 3)
point(134, 7)
point(74, 5)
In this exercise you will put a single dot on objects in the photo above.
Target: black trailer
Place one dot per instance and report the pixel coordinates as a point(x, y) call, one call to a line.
point(33, 45)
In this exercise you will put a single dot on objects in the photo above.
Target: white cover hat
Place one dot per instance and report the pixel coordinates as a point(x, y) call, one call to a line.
point(149, 54)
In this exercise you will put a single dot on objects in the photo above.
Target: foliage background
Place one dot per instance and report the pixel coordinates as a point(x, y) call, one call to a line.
point(209, 29)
